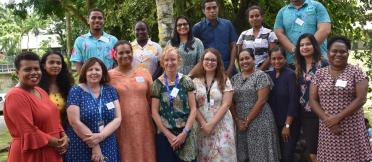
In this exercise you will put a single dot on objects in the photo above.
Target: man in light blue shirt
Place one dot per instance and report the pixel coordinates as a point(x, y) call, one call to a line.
point(96, 43)
point(300, 17)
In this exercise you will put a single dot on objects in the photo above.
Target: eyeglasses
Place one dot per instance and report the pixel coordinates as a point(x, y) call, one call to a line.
point(210, 60)
point(182, 24)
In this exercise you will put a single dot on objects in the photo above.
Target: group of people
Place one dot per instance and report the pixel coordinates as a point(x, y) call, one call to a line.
point(208, 96)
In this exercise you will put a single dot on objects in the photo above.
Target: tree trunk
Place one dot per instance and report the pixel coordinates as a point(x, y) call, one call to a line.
point(68, 38)
point(164, 10)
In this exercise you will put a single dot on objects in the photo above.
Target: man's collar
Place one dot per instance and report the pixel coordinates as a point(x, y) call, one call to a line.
point(209, 22)
point(306, 2)
point(103, 37)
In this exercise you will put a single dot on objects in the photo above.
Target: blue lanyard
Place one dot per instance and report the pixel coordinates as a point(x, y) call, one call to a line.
point(170, 97)
point(100, 99)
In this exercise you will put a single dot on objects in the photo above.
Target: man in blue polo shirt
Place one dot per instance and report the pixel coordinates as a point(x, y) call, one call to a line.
point(300, 17)
point(217, 33)
point(96, 43)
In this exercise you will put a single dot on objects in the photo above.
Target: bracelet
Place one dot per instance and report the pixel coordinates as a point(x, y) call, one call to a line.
point(186, 130)
point(293, 50)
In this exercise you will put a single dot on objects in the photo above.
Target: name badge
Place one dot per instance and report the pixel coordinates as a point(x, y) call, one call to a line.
point(341, 83)
point(211, 102)
point(140, 79)
point(258, 40)
point(299, 21)
point(110, 105)
point(174, 92)
point(101, 125)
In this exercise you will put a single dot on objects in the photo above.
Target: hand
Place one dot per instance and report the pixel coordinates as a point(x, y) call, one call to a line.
point(285, 134)
point(332, 120)
point(170, 137)
point(179, 140)
point(62, 144)
point(207, 128)
point(97, 154)
point(241, 124)
point(336, 129)
point(93, 139)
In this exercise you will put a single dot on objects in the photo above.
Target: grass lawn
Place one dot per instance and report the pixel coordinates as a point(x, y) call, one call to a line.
point(5, 139)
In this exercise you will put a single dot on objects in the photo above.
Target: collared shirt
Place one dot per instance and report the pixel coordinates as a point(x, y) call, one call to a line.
point(219, 36)
point(259, 44)
point(146, 56)
point(296, 22)
point(88, 46)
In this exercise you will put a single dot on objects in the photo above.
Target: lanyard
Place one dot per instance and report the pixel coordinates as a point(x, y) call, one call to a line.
point(208, 89)
point(170, 97)
point(100, 99)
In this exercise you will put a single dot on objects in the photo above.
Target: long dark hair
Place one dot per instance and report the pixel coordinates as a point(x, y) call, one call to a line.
point(175, 41)
point(300, 60)
point(64, 78)
point(220, 70)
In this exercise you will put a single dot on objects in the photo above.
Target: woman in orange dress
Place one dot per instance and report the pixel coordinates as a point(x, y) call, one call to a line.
point(32, 119)
point(136, 132)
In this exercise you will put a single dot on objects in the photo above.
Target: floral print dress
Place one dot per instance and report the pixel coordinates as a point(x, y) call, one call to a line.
point(220, 145)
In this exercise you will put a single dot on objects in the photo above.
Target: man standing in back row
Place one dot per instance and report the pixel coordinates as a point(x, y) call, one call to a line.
point(96, 43)
point(217, 33)
point(300, 17)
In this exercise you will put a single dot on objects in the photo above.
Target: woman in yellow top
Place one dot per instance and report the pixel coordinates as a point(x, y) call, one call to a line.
point(56, 80)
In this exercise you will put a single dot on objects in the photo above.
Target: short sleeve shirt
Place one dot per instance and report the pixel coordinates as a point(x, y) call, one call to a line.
point(88, 46)
point(218, 37)
point(146, 56)
point(173, 117)
point(308, 17)
point(259, 44)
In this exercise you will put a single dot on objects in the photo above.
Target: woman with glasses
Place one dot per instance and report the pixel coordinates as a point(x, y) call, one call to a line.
point(213, 93)
point(337, 95)
point(190, 48)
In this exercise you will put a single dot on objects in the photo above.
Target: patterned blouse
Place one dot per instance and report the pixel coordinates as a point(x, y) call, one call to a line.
point(192, 56)
point(305, 81)
point(175, 118)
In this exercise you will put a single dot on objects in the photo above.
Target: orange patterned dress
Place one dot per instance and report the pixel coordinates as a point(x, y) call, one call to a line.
point(136, 135)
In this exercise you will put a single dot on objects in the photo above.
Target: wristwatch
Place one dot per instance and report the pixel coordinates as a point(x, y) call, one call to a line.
point(287, 125)
point(186, 130)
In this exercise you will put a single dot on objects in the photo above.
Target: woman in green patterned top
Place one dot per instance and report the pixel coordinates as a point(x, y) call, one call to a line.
point(174, 110)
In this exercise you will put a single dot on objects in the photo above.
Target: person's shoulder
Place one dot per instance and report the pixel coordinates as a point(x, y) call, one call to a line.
point(82, 37)
point(199, 23)
point(197, 40)
point(289, 72)
point(152, 43)
point(266, 30)
point(14, 91)
point(315, 3)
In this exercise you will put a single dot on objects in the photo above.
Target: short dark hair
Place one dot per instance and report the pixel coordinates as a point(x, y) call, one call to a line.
point(25, 56)
point(207, 1)
point(96, 10)
point(140, 21)
point(254, 7)
point(341, 39)
point(89, 63)
point(277, 49)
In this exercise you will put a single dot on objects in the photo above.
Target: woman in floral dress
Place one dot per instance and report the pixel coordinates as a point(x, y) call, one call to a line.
point(337, 95)
point(216, 138)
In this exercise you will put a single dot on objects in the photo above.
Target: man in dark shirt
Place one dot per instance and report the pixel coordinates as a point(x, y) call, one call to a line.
point(217, 33)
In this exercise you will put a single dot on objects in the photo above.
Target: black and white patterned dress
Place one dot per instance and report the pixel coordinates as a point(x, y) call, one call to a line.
point(260, 141)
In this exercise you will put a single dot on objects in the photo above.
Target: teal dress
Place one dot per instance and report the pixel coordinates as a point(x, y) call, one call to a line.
point(175, 120)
